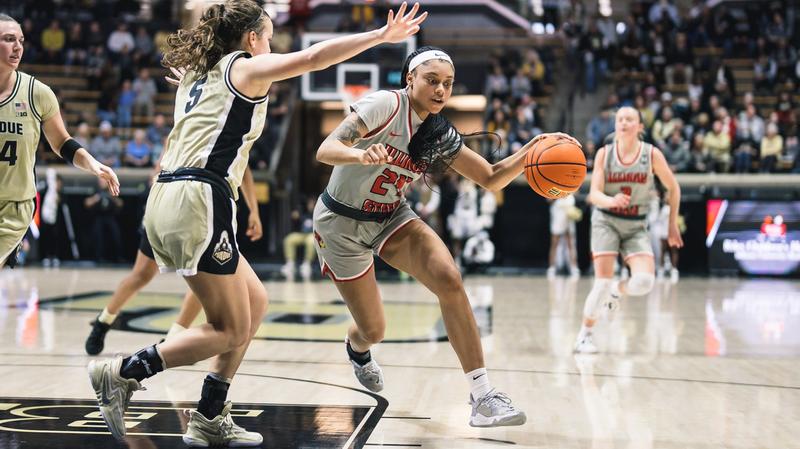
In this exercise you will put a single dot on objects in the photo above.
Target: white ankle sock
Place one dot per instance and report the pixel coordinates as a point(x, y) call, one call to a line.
point(107, 318)
point(479, 382)
point(174, 329)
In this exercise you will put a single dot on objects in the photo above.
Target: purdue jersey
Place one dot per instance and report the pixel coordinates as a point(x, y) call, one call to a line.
point(380, 188)
point(21, 115)
point(215, 124)
point(634, 179)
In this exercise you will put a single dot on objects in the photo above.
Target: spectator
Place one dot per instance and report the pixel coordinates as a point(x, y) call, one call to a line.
point(143, 44)
point(106, 148)
point(146, 92)
point(520, 85)
point(679, 59)
point(749, 132)
point(83, 135)
point(127, 98)
point(95, 37)
point(496, 83)
point(676, 151)
point(717, 144)
point(95, 62)
point(600, 126)
point(771, 148)
point(156, 133)
point(77, 47)
point(32, 40)
point(648, 115)
point(53, 40)
point(137, 153)
point(521, 130)
point(750, 126)
point(664, 126)
point(765, 70)
point(302, 234)
point(105, 229)
point(536, 71)
point(663, 11)
point(700, 160)
point(785, 58)
point(785, 111)
point(119, 39)
point(695, 88)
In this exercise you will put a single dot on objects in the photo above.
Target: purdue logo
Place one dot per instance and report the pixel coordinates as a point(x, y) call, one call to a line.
point(223, 252)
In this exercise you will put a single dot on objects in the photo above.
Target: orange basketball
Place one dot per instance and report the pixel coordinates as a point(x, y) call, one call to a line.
point(555, 167)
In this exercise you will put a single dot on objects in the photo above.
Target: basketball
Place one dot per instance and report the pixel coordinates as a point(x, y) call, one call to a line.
point(555, 167)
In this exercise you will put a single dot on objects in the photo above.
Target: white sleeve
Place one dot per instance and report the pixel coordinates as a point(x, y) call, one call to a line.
point(376, 108)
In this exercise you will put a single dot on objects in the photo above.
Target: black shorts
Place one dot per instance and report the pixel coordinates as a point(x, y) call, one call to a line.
point(144, 245)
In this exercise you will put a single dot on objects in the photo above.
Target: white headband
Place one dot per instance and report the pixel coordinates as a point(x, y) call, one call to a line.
point(426, 56)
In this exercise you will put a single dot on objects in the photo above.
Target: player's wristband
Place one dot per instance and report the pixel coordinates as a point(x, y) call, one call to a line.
point(68, 150)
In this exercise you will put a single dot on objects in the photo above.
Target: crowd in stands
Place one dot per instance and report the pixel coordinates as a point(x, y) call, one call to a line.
point(120, 62)
point(717, 86)
point(514, 82)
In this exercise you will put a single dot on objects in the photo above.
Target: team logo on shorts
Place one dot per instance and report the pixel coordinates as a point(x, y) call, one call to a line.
point(318, 238)
point(223, 252)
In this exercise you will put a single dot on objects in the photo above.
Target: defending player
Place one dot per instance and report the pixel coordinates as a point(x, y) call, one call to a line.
point(220, 108)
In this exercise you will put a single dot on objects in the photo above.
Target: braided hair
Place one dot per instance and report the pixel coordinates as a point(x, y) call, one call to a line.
point(437, 142)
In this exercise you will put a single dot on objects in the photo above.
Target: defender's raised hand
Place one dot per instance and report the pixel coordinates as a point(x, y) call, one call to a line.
point(401, 25)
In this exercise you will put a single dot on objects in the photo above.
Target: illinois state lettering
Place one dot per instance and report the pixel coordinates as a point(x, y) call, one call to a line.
point(633, 178)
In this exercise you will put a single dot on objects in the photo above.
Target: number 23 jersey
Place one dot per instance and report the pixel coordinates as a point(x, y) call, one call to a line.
point(379, 188)
point(215, 124)
point(21, 115)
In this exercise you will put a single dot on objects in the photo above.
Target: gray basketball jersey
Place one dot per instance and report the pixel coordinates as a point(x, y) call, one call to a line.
point(634, 179)
point(380, 188)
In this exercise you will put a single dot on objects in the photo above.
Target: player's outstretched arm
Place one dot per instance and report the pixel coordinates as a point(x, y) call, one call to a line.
point(70, 150)
point(275, 67)
point(496, 176)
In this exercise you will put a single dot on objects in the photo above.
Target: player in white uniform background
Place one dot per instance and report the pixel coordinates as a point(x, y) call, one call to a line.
point(390, 139)
point(563, 215)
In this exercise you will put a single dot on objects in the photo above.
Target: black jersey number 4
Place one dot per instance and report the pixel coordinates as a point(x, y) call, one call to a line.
point(8, 153)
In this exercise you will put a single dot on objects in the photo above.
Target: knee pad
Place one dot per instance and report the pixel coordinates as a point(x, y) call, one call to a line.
point(600, 289)
point(640, 283)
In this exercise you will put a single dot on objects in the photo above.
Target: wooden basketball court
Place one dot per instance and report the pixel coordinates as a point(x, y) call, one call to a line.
point(704, 363)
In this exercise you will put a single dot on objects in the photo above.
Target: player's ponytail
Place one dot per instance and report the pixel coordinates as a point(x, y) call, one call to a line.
point(437, 142)
point(218, 33)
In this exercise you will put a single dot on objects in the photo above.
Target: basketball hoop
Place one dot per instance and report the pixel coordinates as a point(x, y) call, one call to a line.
point(351, 93)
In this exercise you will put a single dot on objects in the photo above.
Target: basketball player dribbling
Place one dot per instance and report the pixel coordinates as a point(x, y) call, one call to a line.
point(390, 139)
point(620, 191)
point(27, 108)
point(145, 269)
point(220, 109)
